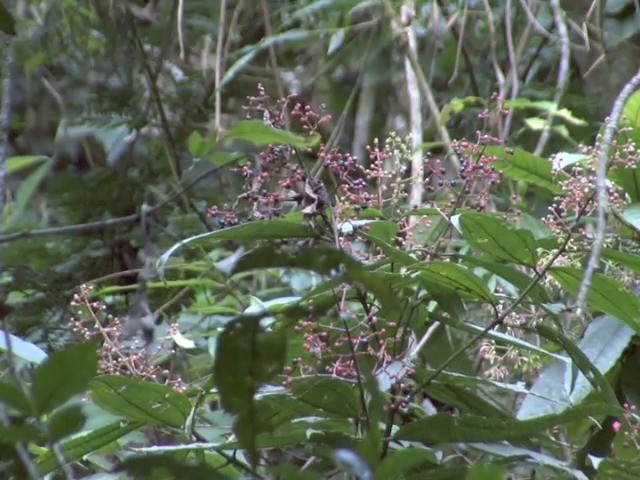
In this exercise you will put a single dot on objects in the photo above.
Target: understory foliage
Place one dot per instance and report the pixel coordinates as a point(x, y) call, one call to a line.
point(192, 291)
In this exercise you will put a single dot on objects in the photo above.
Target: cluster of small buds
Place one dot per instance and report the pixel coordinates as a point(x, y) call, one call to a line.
point(630, 426)
point(225, 217)
point(507, 362)
point(309, 119)
point(117, 357)
point(329, 349)
point(401, 392)
point(342, 164)
point(260, 106)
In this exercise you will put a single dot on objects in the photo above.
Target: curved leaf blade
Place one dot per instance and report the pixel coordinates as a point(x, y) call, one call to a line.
point(498, 238)
point(606, 295)
point(140, 401)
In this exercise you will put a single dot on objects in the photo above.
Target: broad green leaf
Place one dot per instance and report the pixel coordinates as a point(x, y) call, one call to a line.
point(523, 166)
point(506, 450)
point(64, 422)
point(7, 22)
point(28, 188)
point(9, 435)
point(258, 230)
point(21, 348)
point(624, 259)
point(450, 276)
point(503, 338)
point(329, 394)
point(76, 448)
point(139, 400)
point(15, 164)
point(221, 159)
point(630, 120)
point(398, 464)
point(485, 471)
point(605, 295)
point(627, 178)
point(193, 144)
point(447, 428)
point(595, 354)
point(13, 397)
point(292, 36)
point(247, 356)
point(519, 280)
point(546, 107)
point(322, 259)
point(499, 238)
point(631, 110)
point(256, 132)
point(631, 215)
point(63, 374)
point(395, 254)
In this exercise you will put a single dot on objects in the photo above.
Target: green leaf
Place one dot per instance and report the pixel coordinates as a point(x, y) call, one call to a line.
point(485, 471)
point(523, 166)
point(21, 348)
point(76, 448)
point(499, 238)
point(399, 464)
point(258, 230)
point(11, 434)
point(221, 159)
point(321, 259)
point(13, 397)
point(631, 215)
point(139, 400)
point(193, 144)
point(546, 107)
point(329, 394)
point(519, 280)
point(624, 259)
point(28, 188)
point(605, 295)
point(631, 111)
point(395, 254)
point(256, 132)
point(595, 354)
point(246, 357)
point(63, 374)
point(627, 178)
point(505, 450)
point(447, 428)
point(65, 422)
point(7, 22)
point(450, 276)
point(22, 162)
point(250, 52)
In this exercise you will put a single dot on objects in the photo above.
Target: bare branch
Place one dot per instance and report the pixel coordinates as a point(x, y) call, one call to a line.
point(608, 139)
point(563, 72)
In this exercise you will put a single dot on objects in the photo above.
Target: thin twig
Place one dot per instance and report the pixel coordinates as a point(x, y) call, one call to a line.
point(513, 68)
point(458, 35)
point(416, 189)
point(601, 188)
point(273, 59)
point(112, 222)
point(563, 72)
point(179, 27)
point(5, 118)
point(219, 65)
